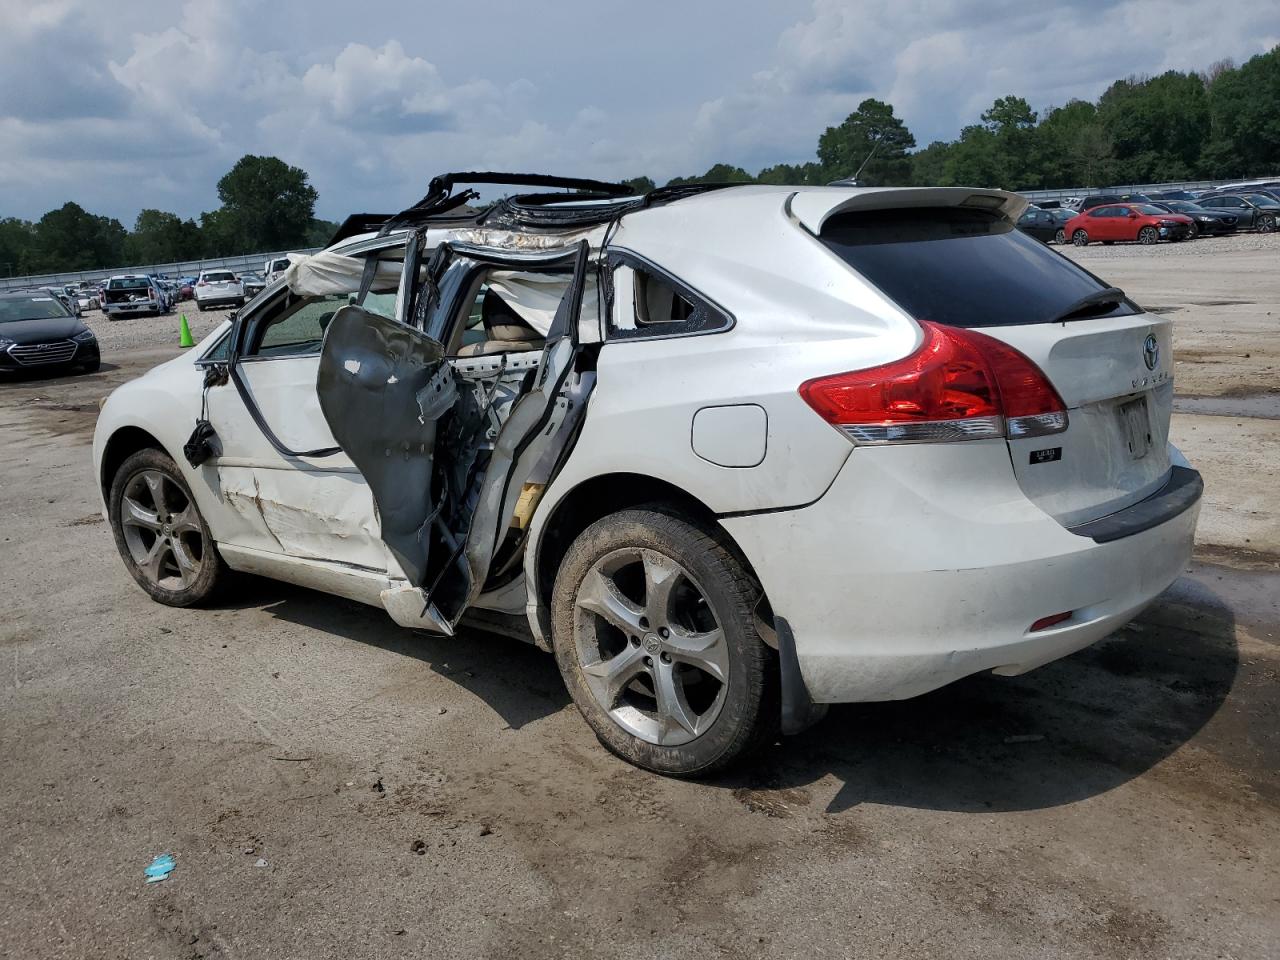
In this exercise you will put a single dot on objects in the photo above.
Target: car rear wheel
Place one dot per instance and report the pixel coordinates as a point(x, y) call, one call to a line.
point(1194, 231)
point(655, 635)
point(162, 538)
point(1060, 237)
point(1080, 238)
point(1266, 224)
point(1148, 235)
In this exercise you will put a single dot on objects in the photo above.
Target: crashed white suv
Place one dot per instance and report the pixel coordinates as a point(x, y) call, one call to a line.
point(732, 454)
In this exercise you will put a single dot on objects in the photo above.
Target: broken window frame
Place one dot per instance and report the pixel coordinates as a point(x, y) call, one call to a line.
point(708, 318)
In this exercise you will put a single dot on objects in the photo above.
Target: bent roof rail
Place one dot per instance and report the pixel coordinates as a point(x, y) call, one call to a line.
point(591, 202)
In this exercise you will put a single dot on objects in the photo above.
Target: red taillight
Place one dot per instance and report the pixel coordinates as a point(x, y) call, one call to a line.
point(959, 385)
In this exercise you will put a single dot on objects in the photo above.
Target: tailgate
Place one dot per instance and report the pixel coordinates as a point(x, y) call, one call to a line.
point(1115, 376)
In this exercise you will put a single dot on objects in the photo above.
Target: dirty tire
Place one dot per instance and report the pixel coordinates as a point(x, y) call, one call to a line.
point(1060, 237)
point(1080, 238)
point(748, 713)
point(1148, 235)
point(173, 591)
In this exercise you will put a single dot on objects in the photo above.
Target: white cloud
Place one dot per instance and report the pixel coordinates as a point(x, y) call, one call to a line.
point(144, 103)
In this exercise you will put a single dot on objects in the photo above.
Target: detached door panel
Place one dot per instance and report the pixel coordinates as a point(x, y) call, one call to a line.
point(416, 431)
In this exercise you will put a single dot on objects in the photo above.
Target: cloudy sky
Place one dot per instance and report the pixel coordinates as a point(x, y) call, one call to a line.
point(131, 103)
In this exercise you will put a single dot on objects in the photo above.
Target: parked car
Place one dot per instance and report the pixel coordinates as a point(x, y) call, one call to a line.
point(72, 303)
point(1098, 200)
point(83, 297)
point(1174, 195)
point(275, 268)
point(1140, 222)
point(1046, 225)
point(218, 288)
point(133, 294)
point(1255, 212)
point(186, 289)
point(1204, 222)
point(38, 331)
point(711, 447)
point(253, 284)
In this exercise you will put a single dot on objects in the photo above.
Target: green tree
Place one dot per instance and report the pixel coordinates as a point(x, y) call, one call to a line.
point(1077, 150)
point(1244, 126)
point(640, 184)
point(792, 174)
point(16, 241)
point(70, 238)
point(719, 173)
point(976, 159)
point(871, 131)
point(319, 232)
point(929, 166)
point(160, 237)
point(1158, 125)
point(266, 205)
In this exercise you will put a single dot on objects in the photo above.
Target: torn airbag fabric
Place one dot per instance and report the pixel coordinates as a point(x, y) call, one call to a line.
point(383, 387)
point(328, 274)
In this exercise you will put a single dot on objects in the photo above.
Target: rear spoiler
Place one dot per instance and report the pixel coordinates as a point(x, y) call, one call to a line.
point(814, 207)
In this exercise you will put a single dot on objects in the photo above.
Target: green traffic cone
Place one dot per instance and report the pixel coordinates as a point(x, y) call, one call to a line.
point(185, 339)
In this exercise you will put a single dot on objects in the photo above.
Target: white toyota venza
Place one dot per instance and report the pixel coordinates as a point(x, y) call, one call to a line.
point(732, 454)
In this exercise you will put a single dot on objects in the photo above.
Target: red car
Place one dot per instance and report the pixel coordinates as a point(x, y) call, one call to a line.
point(1142, 222)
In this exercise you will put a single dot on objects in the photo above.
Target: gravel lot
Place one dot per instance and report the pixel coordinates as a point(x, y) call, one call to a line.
point(127, 333)
point(334, 786)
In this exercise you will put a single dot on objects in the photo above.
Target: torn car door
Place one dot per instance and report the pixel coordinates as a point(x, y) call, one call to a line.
point(416, 432)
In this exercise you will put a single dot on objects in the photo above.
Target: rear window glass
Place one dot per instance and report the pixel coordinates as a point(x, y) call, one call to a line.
point(219, 277)
point(966, 268)
point(129, 283)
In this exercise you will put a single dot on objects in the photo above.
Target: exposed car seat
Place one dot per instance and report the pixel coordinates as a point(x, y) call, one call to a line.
point(505, 331)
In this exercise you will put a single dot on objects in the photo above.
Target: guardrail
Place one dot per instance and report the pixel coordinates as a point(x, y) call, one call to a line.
point(184, 268)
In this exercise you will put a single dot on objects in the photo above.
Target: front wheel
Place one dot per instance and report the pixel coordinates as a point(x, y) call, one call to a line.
point(1267, 224)
point(1080, 238)
point(655, 635)
point(1148, 235)
point(164, 542)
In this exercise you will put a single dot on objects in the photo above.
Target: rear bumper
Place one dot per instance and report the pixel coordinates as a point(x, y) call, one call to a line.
point(918, 568)
point(138, 306)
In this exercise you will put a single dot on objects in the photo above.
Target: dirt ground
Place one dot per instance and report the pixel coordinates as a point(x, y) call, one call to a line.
point(334, 786)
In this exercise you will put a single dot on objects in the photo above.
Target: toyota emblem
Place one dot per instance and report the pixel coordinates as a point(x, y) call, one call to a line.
point(1151, 351)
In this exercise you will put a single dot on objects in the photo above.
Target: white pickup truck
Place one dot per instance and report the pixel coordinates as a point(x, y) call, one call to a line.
point(131, 294)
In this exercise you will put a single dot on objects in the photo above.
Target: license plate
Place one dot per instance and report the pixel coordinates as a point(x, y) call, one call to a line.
point(1137, 427)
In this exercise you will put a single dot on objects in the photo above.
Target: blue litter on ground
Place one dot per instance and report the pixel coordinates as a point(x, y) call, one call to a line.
point(160, 868)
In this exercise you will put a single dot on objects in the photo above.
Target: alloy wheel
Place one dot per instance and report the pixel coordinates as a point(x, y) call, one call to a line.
point(162, 530)
point(1267, 225)
point(651, 650)
point(1080, 238)
point(1148, 235)
point(1060, 237)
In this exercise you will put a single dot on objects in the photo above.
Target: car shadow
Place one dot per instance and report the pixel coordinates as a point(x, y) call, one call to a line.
point(1073, 729)
point(517, 680)
point(34, 374)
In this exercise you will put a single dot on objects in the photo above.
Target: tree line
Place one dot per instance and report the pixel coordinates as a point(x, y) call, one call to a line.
point(1221, 123)
point(266, 205)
